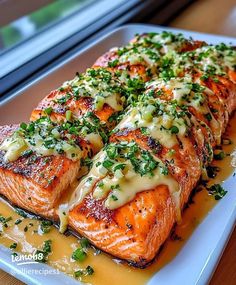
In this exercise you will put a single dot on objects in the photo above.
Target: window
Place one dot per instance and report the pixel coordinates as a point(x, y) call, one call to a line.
point(28, 36)
point(37, 35)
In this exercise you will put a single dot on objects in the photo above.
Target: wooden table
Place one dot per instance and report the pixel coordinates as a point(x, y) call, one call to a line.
point(208, 16)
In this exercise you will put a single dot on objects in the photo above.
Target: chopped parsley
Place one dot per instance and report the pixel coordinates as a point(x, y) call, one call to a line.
point(113, 63)
point(48, 110)
point(217, 191)
point(45, 226)
point(44, 252)
point(18, 221)
point(13, 245)
point(208, 116)
point(4, 221)
point(141, 160)
point(84, 272)
point(174, 130)
point(84, 242)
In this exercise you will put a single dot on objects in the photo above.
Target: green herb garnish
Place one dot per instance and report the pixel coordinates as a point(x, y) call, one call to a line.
point(217, 191)
point(13, 245)
point(45, 226)
point(79, 254)
point(174, 130)
point(219, 155)
point(48, 110)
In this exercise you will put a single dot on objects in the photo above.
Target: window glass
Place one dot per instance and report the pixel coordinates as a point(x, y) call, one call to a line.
point(31, 34)
point(28, 25)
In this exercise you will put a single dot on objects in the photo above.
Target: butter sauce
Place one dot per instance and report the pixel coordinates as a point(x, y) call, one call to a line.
point(103, 265)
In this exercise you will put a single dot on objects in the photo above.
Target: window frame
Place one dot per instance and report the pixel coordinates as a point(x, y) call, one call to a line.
point(130, 11)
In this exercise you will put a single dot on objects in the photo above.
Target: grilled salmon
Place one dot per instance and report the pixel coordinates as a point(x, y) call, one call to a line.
point(174, 127)
point(31, 175)
point(96, 91)
point(143, 55)
point(150, 114)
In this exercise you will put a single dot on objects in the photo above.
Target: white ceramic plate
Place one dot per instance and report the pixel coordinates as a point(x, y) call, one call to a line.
point(196, 261)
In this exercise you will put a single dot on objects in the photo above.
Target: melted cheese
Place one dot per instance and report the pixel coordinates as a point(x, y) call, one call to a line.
point(168, 44)
point(218, 59)
point(129, 182)
point(132, 183)
point(141, 55)
point(88, 182)
point(168, 41)
point(16, 145)
point(95, 140)
point(136, 119)
point(63, 217)
point(99, 88)
point(181, 89)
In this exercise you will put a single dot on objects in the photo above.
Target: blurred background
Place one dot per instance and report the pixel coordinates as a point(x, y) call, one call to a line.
point(34, 35)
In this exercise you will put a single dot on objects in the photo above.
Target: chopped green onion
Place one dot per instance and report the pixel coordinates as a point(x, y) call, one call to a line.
point(107, 163)
point(208, 117)
point(68, 115)
point(79, 254)
point(113, 197)
point(119, 166)
point(89, 270)
point(48, 110)
point(23, 126)
point(45, 226)
point(113, 63)
point(47, 246)
point(78, 273)
point(18, 221)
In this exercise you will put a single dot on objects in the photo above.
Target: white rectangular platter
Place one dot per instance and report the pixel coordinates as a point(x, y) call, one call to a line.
point(196, 261)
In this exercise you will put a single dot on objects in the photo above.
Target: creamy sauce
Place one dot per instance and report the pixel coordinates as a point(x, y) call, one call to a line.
point(105, 268)
point(147, 56)
point(208, 59)
point(97, 87)
point(158, 126)
point(216, 59)
point(182, 90)
point(166, 40)
point(129, 183)
point(45, 140)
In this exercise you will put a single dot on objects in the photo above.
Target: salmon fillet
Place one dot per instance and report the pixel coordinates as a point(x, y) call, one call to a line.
point(97, 91)
point(136, 230)
point(160, 105)
point(36, 182)
point(142, 56)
